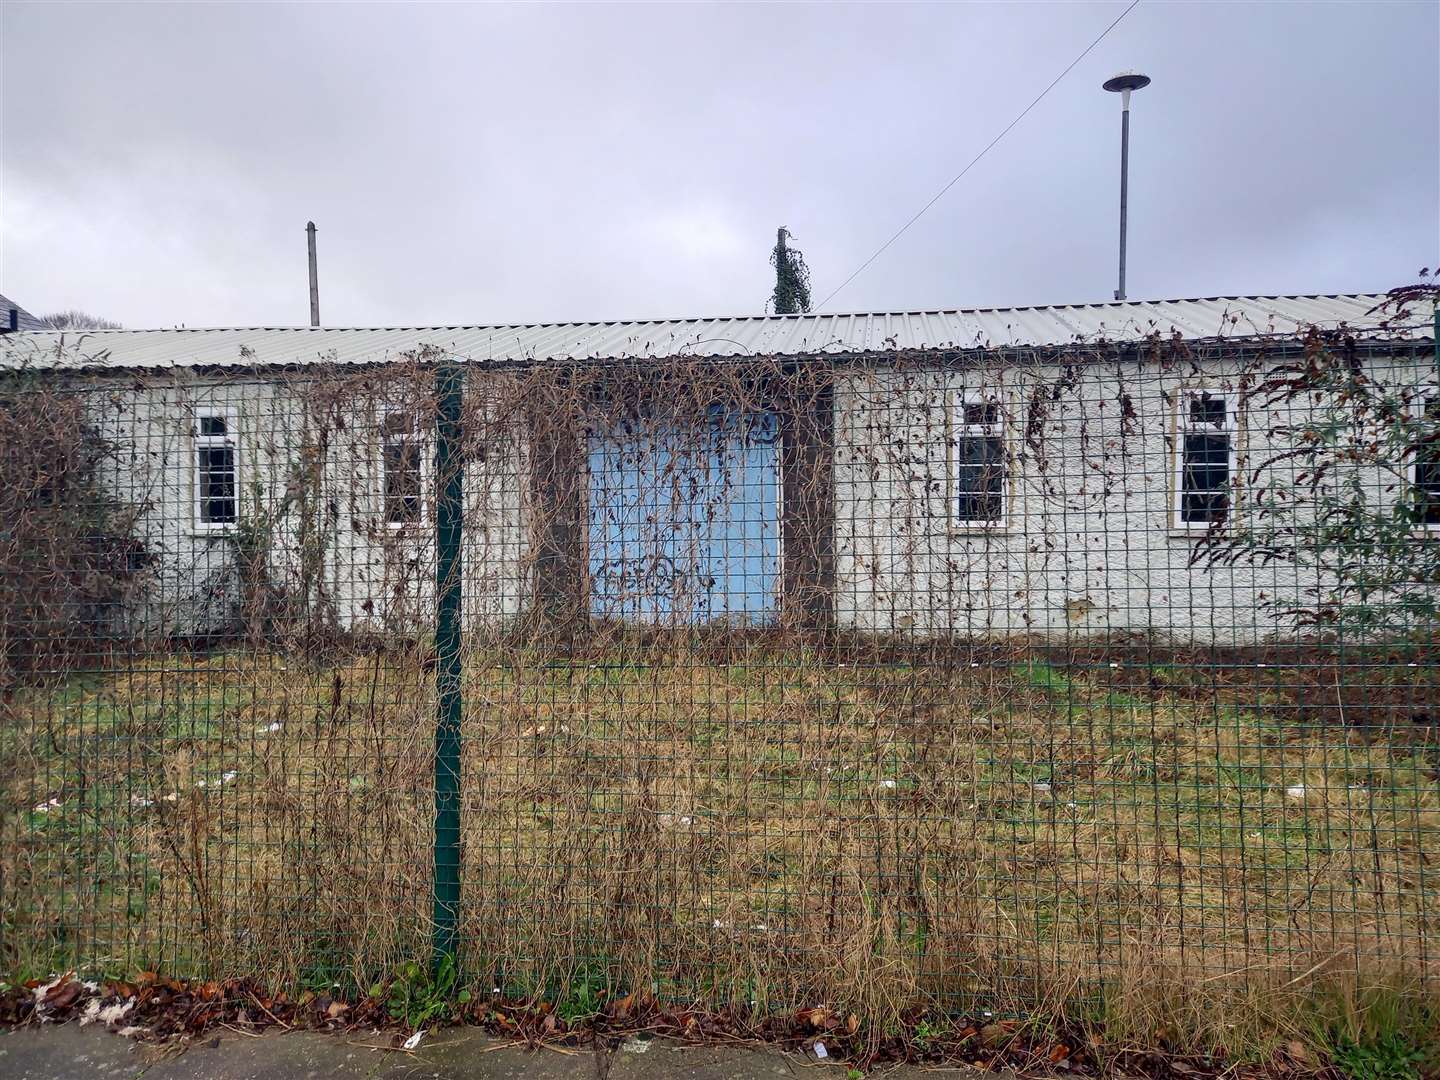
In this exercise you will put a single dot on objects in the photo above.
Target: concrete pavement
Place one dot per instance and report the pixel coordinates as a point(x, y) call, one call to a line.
point(62, 1052)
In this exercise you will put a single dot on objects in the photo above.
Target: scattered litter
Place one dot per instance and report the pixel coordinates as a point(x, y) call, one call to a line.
point(1041, 786)
point(266, 728)
point(106, 1014)
point(47, 806)
point(225, 778)
point(174, 796)
point(718, 924)
point(761, 927)
point(635, 1045)
point(413, 1041)
point(820, 1051)
point(131, 1032)
point(44, 989)
point(1295, 791)
point(887, 783)
point(141, 801)
point(1071, 806)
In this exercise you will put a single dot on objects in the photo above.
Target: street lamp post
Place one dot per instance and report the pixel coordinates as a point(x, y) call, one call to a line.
point(1123, 84)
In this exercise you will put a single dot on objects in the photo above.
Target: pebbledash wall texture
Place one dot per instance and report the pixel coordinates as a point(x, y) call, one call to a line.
point(1049, 473)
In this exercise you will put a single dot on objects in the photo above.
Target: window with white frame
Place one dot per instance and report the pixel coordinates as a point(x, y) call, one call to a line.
point(216, 479)
point(1204, 458)
point(402, 465)
point(1427, 467)
point(979, 466)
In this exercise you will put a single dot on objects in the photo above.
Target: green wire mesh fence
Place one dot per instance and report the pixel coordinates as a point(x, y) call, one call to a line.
point(972, 681)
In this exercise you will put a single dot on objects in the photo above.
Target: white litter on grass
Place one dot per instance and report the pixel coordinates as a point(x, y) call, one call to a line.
point(761, 927)
point(174, 796)
point(141, 801)
point(49, 805)
point(887, 783)
point(1041, 787)
point(413, 1041)
point(225, 778)
point(265, 729)
point(718, 924)
point(1295, 791)
point(820, 1051)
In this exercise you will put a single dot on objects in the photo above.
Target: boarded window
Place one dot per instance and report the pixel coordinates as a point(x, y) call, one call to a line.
point(216, 469)
point(1205, 458)
point(980, 463)
point(684, 525)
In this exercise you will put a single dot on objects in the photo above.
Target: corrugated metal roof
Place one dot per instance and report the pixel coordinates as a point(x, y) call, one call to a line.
point(774, 335)
point(23, 318)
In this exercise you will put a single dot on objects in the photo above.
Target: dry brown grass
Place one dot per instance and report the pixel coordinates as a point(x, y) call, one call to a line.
point(768, 830)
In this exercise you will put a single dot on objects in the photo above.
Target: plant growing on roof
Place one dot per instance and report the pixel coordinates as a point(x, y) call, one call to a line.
point(792, 276)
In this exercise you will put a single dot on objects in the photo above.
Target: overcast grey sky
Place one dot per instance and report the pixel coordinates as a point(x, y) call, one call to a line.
point(473, 164)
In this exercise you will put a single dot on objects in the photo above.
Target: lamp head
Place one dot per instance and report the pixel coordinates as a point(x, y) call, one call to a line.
point(1126, 80)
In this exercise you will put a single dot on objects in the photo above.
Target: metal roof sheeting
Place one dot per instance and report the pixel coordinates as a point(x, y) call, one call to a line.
point(23, 318)
point(759, 335)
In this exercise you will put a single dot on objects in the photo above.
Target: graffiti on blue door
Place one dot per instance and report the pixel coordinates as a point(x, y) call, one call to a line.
point(684, 527)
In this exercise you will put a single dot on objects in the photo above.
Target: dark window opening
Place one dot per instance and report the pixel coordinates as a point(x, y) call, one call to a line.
point(1206, 445)
point(980, 463)
point(402, 481)
point(981, 413)
point(1427, 467)
point(216, 475)
point(403, 476)
point(1207, 411)
point(980, 478)
point(1205, 496)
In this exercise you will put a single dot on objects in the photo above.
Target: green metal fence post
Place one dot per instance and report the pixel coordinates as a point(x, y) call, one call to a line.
point(449, 477)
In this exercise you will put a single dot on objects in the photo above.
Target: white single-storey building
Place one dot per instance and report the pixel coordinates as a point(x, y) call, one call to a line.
point(1039, 471)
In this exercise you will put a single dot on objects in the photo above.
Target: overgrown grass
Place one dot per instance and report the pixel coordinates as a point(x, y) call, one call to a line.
point(761, 828)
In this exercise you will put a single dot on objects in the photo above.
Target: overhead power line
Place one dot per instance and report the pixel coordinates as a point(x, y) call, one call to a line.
point(976, 159)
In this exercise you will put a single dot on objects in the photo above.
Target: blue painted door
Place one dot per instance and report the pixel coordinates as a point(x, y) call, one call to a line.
point(684, 527)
